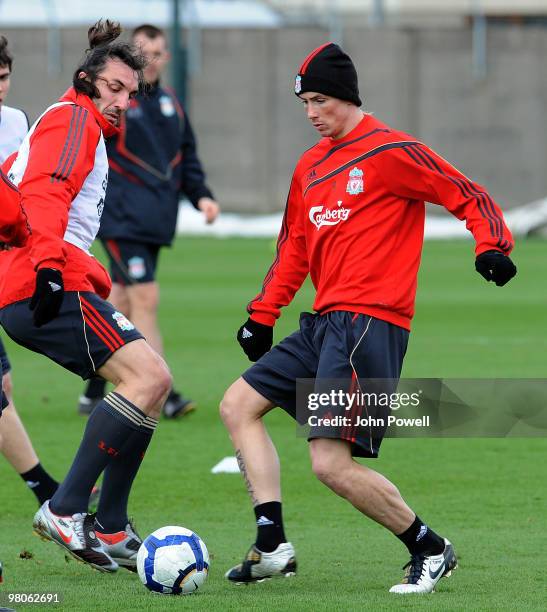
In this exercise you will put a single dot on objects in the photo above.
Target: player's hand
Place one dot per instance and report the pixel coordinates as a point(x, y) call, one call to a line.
point(496, 267)
point(48, 296)
point(255, 339)
point(209, 208)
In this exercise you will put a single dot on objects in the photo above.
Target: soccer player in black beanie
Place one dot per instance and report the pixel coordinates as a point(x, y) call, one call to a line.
point(354, 221)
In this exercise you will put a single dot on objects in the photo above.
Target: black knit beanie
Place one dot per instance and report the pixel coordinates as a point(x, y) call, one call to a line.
point(330, 71)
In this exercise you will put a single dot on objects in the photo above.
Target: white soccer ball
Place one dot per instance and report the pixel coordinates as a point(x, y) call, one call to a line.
point(173, 560)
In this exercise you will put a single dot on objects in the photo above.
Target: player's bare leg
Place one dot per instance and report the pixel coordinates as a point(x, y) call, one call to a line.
point(370, 492)
point(432, 557)
point(242, 409)
point(137, 311)
point(14, 441)
point(96, 387)
point(17, 448)
point(140, 375)
point(144, 300)
point(139, 303)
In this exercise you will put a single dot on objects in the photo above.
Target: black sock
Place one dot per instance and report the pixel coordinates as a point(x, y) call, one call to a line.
point(40, 483)
point(108, 427)
point(118, 479)
point(269, 522)
point(96, 387)
point(421, 540)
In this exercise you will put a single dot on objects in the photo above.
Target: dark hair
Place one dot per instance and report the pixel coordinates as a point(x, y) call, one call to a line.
point(102, 47)
point(6, 58)
point(148, 30)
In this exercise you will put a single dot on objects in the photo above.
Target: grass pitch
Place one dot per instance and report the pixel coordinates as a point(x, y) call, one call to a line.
point(487, 496)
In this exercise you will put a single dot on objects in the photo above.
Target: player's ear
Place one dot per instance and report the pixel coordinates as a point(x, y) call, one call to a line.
point(82, 75)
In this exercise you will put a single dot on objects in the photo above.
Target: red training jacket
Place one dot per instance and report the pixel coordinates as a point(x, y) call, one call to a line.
point(61, 170)
point(354, 220)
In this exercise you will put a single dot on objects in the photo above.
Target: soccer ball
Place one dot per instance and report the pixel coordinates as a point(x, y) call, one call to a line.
point(173, 560)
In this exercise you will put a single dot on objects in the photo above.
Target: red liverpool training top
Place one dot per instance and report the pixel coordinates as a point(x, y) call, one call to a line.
point(354, 221)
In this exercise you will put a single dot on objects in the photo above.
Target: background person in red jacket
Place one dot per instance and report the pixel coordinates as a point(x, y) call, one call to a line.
point(53, 301)
point(354, 221)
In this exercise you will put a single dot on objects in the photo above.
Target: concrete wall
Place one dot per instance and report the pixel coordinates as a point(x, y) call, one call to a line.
point(251, 128)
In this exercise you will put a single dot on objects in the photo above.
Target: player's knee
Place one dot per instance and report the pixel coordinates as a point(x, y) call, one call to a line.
point(152, 379)
point(160, 378)
point(241, 404)
point(323, 471)
point(228, 408)
point(328, 467)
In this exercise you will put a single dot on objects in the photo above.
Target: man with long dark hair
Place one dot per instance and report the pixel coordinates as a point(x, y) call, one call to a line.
point(53, 301)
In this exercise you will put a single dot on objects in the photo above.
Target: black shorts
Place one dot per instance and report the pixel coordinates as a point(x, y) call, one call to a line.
point(336, 347)
point(4, 361)
point(85, 334)
point(131, 262)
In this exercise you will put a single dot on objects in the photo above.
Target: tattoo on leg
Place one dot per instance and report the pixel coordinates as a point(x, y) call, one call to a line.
point(243, 470)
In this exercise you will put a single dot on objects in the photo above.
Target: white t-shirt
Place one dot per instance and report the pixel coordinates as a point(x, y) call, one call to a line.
point(13, 129)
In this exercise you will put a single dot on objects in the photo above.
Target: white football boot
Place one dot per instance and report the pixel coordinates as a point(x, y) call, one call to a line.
point(122, 546)
point(76, 534)
point(258, 566)
point(423, 572)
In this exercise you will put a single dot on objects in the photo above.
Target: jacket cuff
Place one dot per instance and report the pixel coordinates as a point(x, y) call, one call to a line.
point(56, 264)
point(479, 250)
point(202, 192)
point(264, 318)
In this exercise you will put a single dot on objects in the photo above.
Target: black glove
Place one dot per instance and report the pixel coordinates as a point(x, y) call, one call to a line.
point(48, 296)
point(255, 339)
point(495, 266)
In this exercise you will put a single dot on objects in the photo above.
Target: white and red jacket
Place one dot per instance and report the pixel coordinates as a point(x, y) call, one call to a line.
point(61, 170)
point(354, 221)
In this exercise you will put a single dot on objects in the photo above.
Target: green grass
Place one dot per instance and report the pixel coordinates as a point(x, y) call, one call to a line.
point(488, 496)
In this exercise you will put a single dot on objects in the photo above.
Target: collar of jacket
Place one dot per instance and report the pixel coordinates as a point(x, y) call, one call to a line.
point(71, 95)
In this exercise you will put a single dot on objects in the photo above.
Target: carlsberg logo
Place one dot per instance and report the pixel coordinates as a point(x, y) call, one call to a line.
point(329, 216)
